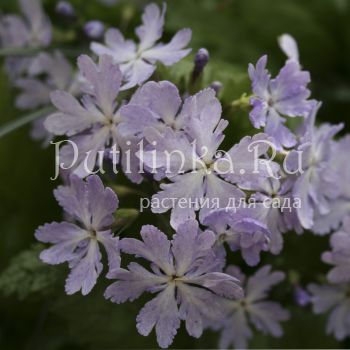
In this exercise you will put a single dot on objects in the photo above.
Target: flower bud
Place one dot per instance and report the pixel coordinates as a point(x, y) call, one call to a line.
point(201, 59)
point(65, 8)
point(94, 29)
point(216, 86)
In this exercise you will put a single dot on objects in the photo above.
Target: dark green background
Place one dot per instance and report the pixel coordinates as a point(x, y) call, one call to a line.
point(34, 312)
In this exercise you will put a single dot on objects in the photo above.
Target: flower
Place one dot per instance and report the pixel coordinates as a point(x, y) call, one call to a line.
point(157, 104)
point(240, 232)
point(185, 275)
point(335, 298)
point(92, 206)
point(340, 254)
point(274, 99)
point(339, 207)
point(45, 73)
point(264, 315)
point(137, 62)
point(182, 147)
point(319, 183)
point(59, 74)
point(94, 122)
point(274, 207)
point(32, 31)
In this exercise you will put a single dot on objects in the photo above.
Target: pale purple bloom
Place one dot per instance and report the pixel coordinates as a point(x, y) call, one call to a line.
point(35, 90)
point(274, 99)
point(94, 120)
point(339, 256)
point(94, 29)
point(240, 233)
point(34, 30)
point(58, 74)
point(159, 105)
point(197, 174)
point(274, 206)
point(320, 182)
point(92, 206)
point(333, 298)
point(31, 31)
point(138, 61)
point(339, 207)
point(184, 273)
point(253, 308)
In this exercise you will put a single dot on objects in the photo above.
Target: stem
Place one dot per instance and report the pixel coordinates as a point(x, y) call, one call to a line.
point(19, 122)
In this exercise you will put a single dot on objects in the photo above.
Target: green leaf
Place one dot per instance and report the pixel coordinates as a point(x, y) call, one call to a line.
point(26, 274)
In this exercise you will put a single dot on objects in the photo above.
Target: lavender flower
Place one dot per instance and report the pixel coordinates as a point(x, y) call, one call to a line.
point(92, 206)
point(340, 254)
point(32, 31)
point(285, 95)
point(240, 232)
point(264, 315)
point(339, 207)
point(335, 298)
point(198, 175)
point(137, 62)
point(319, 183)
point(94, 122)
point(159, 105)
point(271, 198)
point(184, 274)
point(35, 90)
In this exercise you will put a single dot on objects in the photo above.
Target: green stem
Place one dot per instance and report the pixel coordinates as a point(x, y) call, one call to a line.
point(19, 122)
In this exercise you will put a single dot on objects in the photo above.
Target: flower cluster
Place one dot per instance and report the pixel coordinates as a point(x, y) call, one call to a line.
point(112, 110)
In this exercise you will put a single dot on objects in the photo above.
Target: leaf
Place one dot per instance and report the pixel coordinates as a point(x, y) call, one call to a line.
point(26, 274)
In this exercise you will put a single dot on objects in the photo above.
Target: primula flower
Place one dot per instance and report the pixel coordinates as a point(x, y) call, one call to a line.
point(339, 207)
point(340, 254)
point(274, 99)
point(190, 161)
point(335, 298)
point(240, 233)
point(274, 207)
point(59, 74)
point(34, 30)
point(92, 206)
point(319, 183)
point(95, 120)
point(186, 276)
point(45, 73)
point(138, 61)
point(159, 105)
point(263, 314)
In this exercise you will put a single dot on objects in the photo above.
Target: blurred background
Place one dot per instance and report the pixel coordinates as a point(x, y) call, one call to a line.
point(34, 311)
